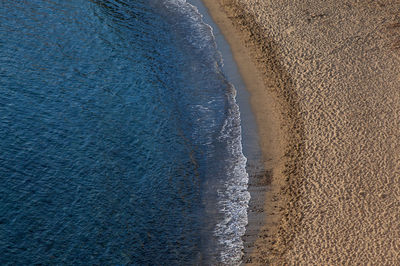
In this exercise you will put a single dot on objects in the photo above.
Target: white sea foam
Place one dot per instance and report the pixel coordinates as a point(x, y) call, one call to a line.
point(233, 196)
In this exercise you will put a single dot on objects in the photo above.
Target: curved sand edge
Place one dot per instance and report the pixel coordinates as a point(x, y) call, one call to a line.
point(328, 112)
point(273, 101)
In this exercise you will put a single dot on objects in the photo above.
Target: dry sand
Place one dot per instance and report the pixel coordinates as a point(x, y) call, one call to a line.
point(325, 83)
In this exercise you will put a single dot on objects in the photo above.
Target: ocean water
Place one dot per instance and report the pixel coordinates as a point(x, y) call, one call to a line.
point(120, 137)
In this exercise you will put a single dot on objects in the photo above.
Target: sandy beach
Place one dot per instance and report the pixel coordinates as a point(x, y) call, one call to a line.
point(324, 78)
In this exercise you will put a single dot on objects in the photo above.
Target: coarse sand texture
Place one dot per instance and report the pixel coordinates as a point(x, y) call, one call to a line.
point(326, 95)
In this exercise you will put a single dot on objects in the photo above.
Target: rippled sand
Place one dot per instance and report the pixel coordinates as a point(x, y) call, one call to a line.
point(326, 92)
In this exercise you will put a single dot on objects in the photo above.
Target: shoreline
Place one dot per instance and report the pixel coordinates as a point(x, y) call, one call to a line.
point(274, 107)
point(250, 139)
point(325, 90)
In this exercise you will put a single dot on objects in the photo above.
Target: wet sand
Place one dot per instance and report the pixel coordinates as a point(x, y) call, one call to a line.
point(324, 78)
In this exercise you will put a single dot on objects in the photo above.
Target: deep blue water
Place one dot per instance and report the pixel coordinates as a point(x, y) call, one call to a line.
point(119, 136)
